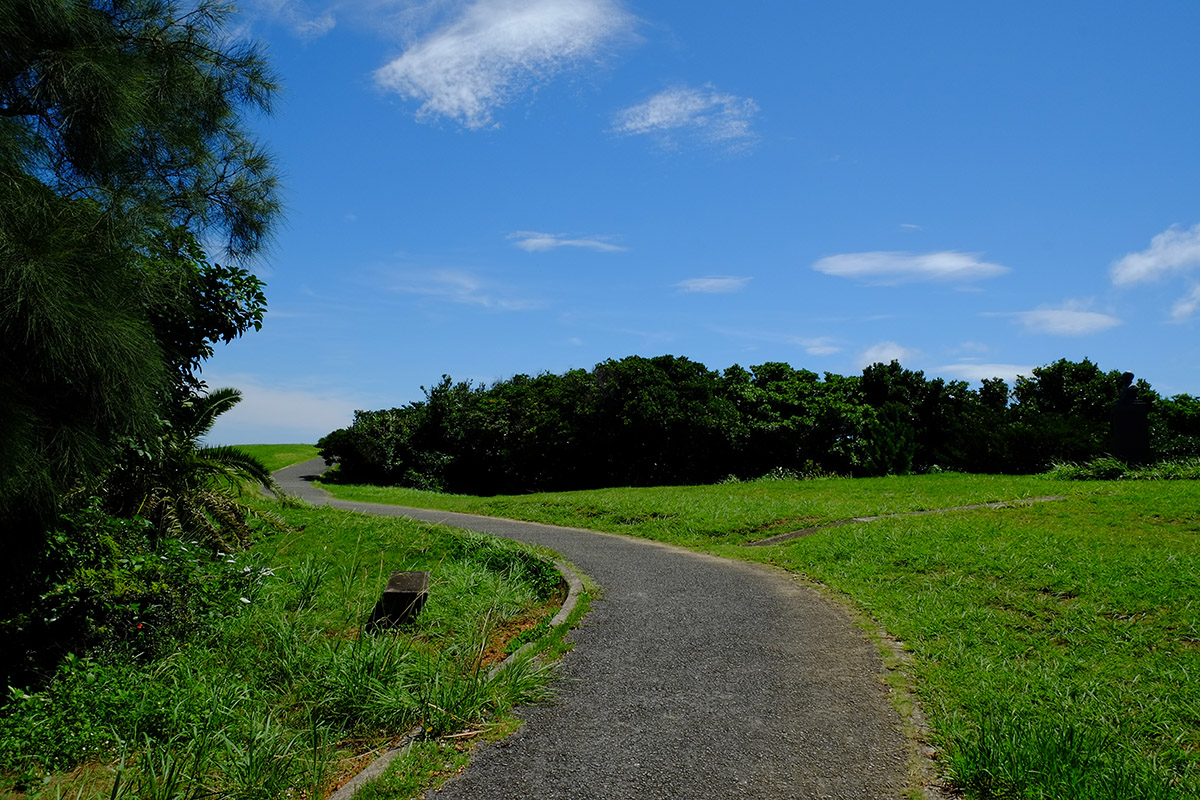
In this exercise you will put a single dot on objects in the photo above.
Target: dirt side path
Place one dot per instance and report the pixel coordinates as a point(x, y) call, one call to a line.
point(692, 677)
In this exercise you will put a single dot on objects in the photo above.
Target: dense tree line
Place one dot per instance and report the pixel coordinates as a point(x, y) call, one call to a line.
point(669, 420)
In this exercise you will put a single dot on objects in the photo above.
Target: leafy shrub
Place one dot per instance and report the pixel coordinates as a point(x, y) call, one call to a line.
point(189, 490)
point(667, 420)
point(109, 580)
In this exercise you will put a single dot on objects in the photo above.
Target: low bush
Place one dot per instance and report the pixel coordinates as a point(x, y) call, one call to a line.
point(110, 581)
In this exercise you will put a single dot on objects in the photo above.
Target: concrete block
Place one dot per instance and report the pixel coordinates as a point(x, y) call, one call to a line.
point(401, 601)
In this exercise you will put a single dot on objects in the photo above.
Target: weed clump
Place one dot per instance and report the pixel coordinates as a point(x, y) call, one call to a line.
point(1107, 468)
point(1002, 756)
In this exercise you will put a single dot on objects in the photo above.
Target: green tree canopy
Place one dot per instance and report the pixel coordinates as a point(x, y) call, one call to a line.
point(668, 419)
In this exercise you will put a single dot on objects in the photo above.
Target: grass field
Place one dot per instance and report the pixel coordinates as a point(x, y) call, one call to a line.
point(1055, 646)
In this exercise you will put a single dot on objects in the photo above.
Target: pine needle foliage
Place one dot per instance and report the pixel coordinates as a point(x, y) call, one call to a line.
point(123, 144)
point(137, 105)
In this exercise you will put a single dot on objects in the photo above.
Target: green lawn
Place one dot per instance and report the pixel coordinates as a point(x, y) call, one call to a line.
point(278, 456)
point(732, 513)
point(1055, 646)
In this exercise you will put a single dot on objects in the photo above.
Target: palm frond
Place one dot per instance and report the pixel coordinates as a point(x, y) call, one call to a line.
point(195, 492)
point(234, 463)
point(206, 408)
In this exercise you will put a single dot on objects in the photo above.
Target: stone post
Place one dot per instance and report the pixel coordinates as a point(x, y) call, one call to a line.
point(401, 602)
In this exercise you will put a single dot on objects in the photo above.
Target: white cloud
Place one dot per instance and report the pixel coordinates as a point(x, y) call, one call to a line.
point(459, 286)
point(534, 242)
point(705, 115)
point(715, 284)
point(889, 267)
point(977, 372)
point(819, 346)
point(313, 27)
point(496, 49)
point(908, 226)
point(885, 353)
point(1072, 318)
point(1173, 250)
point(274, 414)
point(1186, 306)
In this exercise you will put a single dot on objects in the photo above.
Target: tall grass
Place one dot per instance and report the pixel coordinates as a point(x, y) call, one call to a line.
point(1110, 469)
point(277, 696)
point(1004, 755)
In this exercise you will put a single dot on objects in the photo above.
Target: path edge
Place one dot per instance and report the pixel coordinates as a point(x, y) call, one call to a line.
point(924, 779)
point(376, 768)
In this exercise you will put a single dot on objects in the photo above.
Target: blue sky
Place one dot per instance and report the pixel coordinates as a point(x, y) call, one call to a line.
point(493, 187)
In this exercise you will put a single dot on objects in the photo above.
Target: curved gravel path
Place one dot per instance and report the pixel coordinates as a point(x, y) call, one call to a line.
point(692, 677)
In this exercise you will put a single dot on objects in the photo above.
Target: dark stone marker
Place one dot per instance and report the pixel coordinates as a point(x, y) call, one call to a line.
point(401, 602)
point(1130, 425)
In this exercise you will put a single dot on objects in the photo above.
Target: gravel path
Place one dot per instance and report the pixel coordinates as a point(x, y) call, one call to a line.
point(692, 677)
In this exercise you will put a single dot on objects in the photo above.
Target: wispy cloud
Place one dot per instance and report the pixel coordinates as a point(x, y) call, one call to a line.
point(1173, 250)
point(819, 346)
point(295, 15)
point(813, 345)
point(977, 372)
point(1072, 318)
point(1186, 306)
point(890, 267)
point(885, 353)
point(971, 347)
point(497, 49)
point(704, 115)
point(459, 286)
point(535, 242)
point(714, 284)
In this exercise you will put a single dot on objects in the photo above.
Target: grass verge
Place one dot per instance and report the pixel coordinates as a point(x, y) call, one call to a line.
point(1055, 647)
point(282, 694)
point(278, 456)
